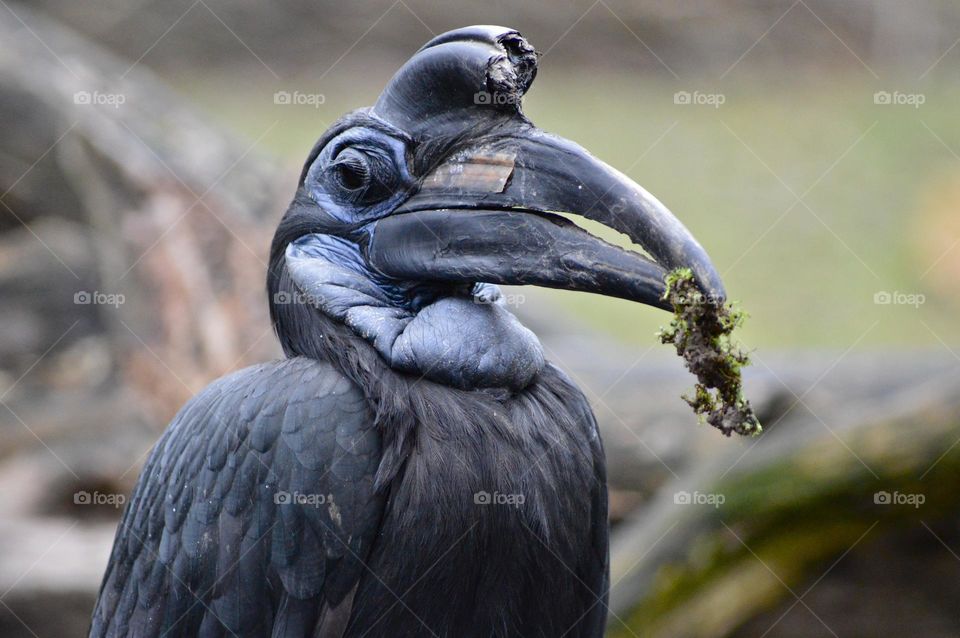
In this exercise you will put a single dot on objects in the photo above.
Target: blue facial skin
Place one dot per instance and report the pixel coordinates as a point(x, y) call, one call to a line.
point(387, 163)
point(389, 183)
point(457, 334)
point(345, 254)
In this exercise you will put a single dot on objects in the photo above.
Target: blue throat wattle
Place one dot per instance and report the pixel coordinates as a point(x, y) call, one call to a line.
point(458, 336)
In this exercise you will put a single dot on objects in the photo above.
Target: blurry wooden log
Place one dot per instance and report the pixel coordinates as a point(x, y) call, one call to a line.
point(794, 501)
point(157, 221)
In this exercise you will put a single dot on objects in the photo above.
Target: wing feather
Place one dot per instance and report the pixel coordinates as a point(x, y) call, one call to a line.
point(253, 513)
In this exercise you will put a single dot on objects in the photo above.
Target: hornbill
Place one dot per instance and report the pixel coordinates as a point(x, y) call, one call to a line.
point(414, 466)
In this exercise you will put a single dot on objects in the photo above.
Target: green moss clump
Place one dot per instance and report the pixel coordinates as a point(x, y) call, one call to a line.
point(700, 331)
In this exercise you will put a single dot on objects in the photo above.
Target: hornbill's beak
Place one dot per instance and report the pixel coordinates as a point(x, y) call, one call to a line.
point(489, 214)
point(488, 211)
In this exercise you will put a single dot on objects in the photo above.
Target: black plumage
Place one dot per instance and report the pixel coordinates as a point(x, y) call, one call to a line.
point(205, 543)
point(205, 549)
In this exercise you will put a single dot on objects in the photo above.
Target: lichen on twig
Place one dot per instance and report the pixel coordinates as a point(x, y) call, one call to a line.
point(700, 331)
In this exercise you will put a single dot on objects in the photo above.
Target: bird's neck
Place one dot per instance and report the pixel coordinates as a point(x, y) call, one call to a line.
point(324, 308)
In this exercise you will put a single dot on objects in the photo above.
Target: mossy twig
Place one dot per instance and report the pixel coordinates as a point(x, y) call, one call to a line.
point(700, 331)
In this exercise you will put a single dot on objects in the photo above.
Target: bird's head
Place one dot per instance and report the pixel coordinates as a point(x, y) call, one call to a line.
point(409, 213)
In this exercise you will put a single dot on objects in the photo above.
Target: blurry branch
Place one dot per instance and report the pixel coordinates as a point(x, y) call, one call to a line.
point(805, 494)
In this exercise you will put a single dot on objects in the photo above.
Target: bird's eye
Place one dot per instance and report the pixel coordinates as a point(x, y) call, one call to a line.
point(351, 169)
point(362, 175)
point(358, 171)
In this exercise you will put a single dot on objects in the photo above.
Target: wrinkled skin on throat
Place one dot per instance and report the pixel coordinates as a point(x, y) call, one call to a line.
point(462, 336)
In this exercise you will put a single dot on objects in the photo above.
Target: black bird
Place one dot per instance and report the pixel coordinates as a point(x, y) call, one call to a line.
point(414, 467)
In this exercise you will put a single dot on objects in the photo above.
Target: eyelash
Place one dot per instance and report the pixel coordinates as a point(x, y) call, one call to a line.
point(353, 173)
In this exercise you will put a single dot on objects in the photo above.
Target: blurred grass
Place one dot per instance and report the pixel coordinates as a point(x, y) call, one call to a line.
point(806, 273)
